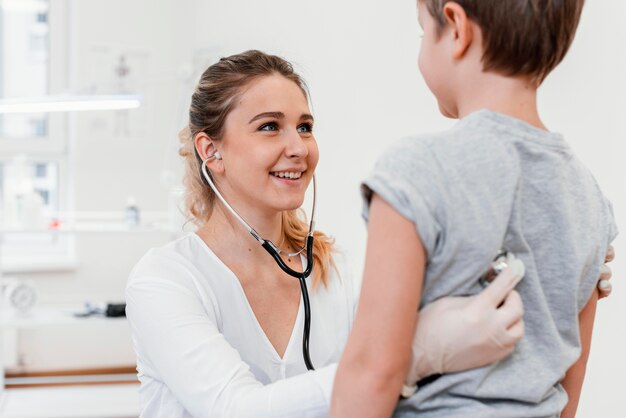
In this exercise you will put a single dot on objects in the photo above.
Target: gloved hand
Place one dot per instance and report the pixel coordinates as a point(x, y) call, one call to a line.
point(460, 333)
point(604, 282)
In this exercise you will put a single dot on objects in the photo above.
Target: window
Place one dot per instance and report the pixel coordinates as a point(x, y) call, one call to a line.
point(33, 146)
point(24, 65)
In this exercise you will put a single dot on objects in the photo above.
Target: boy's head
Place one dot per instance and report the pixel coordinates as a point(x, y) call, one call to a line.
point(520, 38)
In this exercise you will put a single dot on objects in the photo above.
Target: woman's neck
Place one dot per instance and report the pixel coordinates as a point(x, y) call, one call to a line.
point(224, 233)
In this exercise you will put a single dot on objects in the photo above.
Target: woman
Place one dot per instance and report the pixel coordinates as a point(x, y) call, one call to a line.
point(216, 324)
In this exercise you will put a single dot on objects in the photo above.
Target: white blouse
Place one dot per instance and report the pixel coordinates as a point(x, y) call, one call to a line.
point(202, 353)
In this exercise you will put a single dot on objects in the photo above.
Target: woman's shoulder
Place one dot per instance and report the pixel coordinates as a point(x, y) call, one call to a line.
point(341, 269)
point(173, 251)
point(184, 257)
point(182, 269)
point(342, 279)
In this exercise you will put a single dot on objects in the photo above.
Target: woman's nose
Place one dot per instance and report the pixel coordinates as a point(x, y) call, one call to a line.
point(296, 147)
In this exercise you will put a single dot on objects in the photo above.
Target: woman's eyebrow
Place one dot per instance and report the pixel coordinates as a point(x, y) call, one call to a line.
point(275, 115)
point(306, 116)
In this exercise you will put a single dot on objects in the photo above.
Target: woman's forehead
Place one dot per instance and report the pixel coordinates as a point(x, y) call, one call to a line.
point(272, 93)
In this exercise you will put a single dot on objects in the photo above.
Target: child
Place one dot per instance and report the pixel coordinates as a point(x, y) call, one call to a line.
point(441, 206)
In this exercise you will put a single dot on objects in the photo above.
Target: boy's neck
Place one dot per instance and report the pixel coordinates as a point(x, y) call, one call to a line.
point(512, 96)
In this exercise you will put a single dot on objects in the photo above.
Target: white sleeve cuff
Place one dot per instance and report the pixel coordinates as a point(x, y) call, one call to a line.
point(325, 378)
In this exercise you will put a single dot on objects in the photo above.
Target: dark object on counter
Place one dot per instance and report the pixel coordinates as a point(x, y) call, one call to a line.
point(109, 310)
point(115, 309)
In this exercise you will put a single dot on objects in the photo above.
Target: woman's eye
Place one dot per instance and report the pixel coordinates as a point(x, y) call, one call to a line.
point(305, 128)
point(269, 127)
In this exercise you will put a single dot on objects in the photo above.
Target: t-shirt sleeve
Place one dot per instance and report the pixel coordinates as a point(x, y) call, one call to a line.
point(613, 230)
point(181, 345)
point(588, 285)
point(405, 177)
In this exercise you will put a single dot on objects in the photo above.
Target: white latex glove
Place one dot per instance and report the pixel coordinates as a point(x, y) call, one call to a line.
point(604, 282)
point(461, 333)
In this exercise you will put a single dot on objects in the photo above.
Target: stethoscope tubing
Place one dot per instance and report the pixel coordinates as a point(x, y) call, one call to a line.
point(305, 293)
point(275, 252)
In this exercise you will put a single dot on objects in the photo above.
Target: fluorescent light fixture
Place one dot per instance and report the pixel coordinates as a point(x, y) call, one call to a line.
point(29, 6)
point(69, 103)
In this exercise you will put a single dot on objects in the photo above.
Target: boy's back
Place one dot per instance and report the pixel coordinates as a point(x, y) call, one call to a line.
point(495, 182)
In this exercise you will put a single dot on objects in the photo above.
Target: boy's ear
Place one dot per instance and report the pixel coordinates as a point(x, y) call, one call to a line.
point(205, 147)
point(461, 28)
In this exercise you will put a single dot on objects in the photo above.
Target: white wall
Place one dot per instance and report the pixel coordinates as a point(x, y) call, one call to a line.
point(359, 58)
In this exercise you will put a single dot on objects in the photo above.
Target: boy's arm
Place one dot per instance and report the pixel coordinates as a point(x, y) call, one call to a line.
point(573, 381)
point(373, 366)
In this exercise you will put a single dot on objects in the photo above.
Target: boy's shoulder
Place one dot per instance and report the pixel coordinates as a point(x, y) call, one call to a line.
point(476, 139)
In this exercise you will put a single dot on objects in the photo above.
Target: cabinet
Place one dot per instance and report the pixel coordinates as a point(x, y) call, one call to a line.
point(120, 400)
point(110, 400)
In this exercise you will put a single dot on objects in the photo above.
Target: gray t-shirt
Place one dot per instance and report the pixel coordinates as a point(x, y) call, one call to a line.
point(492, 182)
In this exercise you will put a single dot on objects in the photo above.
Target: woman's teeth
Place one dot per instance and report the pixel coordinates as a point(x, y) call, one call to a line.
point(287, 174)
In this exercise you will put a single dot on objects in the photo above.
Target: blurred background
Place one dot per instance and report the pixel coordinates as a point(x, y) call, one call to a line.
point(92, 96)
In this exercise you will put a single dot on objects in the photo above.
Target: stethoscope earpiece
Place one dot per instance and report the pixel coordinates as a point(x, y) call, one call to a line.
point(215, 155)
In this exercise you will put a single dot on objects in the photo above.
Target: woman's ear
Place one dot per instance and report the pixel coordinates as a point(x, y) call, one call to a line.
point(205, 147)
point(461, 28)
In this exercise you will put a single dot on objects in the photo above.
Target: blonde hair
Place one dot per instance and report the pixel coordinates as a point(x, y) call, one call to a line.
point(214, 98)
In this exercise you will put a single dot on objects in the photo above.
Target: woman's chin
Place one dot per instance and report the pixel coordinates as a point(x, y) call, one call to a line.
point(289, 204)
point(293, 206)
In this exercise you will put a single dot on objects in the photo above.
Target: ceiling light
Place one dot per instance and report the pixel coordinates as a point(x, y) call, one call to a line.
point(70, 103)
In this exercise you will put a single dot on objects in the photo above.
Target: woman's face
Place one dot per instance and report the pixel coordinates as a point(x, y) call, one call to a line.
point(268, 150)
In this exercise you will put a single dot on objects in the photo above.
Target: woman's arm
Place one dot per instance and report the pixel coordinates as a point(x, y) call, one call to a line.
point(181, 346)
point(460, 333)
point(573, 381)
point(373, 367)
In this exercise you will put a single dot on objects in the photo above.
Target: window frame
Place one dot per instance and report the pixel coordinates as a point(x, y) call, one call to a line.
point(54, 147)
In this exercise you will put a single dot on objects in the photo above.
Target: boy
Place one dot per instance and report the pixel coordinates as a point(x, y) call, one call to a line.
point(441, 206)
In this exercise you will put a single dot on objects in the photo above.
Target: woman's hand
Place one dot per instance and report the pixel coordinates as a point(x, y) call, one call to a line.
point(604, 283)
point(460, 333)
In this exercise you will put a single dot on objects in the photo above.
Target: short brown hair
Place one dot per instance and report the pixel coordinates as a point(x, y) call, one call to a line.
point(521, 37)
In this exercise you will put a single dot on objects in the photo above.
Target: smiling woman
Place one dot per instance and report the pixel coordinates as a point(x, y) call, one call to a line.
point(258, 140)
point(267, 151)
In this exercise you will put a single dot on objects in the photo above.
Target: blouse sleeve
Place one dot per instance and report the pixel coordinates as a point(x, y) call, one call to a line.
point(181, 346)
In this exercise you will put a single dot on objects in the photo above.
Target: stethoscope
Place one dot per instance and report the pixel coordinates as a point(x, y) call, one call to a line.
point(275, 252)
